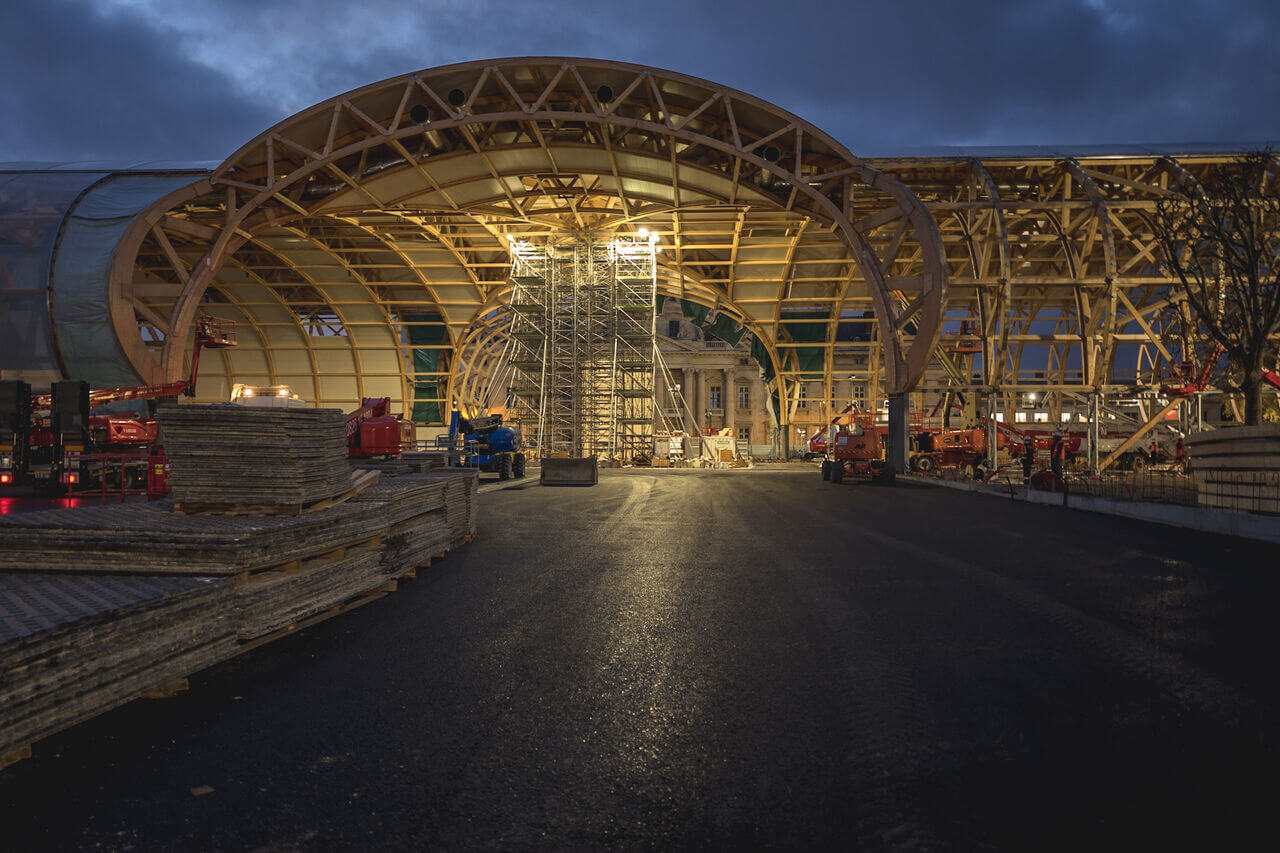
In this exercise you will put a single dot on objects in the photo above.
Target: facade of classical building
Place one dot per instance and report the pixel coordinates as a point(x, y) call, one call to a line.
point(709, 384)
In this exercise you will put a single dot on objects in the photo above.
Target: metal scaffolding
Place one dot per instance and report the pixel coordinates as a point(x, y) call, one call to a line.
point(583, 314)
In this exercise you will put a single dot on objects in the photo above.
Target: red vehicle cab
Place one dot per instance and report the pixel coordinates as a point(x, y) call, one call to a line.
point(858, 451)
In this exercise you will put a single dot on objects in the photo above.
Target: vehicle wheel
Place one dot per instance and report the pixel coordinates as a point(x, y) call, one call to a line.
point(504, 468)
point(517, 466)
point(967, 471)
point(1139, 462)
point(826, 469)
point(837, 471)
point(924, 464)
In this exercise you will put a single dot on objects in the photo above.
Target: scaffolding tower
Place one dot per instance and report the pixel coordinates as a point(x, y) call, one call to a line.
point(582, 346)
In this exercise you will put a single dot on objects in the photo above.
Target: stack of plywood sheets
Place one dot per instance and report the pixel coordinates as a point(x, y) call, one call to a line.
point(1237, 468)
point(281, 596)
point(426, 460)
point(428, 514)
point(220, 454)
point(151, 539)
point(74, 646)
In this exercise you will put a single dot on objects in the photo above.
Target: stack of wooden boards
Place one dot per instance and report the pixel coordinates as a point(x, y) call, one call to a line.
point(74, 646)
point(100, 605)
point(1237, 468)
point(425, 513)
point(223, 458)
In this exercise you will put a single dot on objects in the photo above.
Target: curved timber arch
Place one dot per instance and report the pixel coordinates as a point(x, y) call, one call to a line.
point(476, 154)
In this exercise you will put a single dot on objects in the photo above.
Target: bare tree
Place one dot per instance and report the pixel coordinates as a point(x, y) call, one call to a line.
point(1221, 237)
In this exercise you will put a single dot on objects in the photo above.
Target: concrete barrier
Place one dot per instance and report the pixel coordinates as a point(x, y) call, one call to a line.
point(569, 471)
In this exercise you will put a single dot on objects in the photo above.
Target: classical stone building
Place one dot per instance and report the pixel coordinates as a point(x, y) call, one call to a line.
point(713, 384)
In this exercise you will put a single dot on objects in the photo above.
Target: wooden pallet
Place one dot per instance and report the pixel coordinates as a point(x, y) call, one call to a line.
point(13, 756)
point(328, 613)
point(167, 691)
point(256, 575)
point(361, 480)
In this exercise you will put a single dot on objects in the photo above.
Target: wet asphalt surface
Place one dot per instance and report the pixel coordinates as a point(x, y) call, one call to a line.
point(724, 659)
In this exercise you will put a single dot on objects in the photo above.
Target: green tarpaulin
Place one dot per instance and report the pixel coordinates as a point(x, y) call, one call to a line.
point(723, 327)
point(426, 360)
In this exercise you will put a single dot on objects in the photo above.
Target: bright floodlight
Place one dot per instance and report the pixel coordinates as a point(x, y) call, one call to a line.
point(643, 232)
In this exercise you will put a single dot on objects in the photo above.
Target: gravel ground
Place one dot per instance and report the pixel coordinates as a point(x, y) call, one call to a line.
point(726, 659)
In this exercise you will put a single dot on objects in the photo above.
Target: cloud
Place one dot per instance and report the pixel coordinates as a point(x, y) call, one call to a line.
point(151, 78)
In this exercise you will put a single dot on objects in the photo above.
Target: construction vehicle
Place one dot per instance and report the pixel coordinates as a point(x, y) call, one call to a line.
point(857, 451)
point(489, 445)
point(69, 450)
point(374, 433)
point(962, 449)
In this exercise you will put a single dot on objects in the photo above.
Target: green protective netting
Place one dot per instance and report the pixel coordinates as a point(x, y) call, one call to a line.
point(426, 360)
point(810, 361)
point(723, 327)
point(726, 329)
point(695, 312)
point(761, 354)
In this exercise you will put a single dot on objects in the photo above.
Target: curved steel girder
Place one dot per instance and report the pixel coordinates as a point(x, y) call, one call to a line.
point(823, 177)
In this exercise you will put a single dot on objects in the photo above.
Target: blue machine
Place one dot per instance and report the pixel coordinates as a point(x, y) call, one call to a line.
point(489, 445)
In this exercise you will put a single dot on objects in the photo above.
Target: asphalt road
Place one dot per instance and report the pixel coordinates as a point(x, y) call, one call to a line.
point(728, 659)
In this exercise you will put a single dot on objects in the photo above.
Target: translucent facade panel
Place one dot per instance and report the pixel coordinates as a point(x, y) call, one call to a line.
point(33, 206)
point(81, 316)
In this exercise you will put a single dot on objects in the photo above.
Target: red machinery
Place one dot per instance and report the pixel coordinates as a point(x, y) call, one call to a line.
point(373, 431)
point(91, 452)
point(858, 452)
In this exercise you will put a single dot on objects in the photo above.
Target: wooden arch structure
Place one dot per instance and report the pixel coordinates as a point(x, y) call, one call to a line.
point(1056, 288)
point(337, 233)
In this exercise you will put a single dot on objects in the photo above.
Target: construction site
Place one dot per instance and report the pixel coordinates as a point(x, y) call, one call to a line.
point(890, 503)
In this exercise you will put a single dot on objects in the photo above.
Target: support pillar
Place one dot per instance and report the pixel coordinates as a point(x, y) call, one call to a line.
point(1095, 430)
point(899, 432)
point(993, 446)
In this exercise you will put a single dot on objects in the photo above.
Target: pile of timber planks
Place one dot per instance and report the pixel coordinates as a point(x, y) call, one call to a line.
point(221, 456)
point(428, 514)
point(73, 646)
point(1237, 468)
point(99, 605)
point(426, 460)
point(151, 539)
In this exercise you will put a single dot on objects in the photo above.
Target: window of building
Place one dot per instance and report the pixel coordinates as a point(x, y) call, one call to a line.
point(673, 328)
point(714, 400)
point(1019, 417)
point(744, 433)
point(803, 402)
point(859, 392)
point(744, 396)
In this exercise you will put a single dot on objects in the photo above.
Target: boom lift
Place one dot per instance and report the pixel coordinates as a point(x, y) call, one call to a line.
point(372, 431)
point(71, 449)
point(489, 445)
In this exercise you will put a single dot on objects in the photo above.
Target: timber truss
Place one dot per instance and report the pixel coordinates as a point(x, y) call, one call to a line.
point(364, 244)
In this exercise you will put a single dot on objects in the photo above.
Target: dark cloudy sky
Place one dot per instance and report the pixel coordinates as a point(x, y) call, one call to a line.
point(194, 79)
